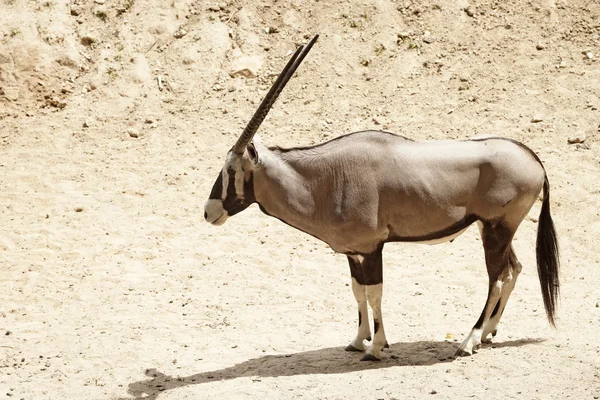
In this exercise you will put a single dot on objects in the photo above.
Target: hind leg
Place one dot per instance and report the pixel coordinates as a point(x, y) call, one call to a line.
point(496, 244)
point(509, 279)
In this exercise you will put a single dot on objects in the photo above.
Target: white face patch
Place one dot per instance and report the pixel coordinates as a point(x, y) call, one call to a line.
point(233, 163)
point(214, 212)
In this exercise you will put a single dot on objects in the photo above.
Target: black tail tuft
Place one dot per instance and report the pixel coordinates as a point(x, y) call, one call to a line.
point(548, 263)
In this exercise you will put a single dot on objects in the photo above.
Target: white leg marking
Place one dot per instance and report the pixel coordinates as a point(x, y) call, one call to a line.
point(473, 341)
point(364, 330)
point(374, 293)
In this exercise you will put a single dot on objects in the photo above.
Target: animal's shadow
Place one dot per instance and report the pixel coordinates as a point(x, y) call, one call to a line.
point(332, 360)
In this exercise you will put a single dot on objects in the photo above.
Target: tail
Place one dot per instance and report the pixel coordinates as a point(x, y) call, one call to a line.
point(548, 263)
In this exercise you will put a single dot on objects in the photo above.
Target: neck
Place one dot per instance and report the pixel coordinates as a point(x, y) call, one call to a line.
point(282, 192)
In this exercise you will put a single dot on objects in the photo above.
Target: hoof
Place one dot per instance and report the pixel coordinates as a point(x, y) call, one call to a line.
point(486, 340)
point(352, 348)
point(494, 332)
point(462, 353)
point(369, 357)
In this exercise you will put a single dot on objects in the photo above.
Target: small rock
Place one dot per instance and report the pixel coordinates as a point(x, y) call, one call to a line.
point(214, 8)
point(579, 137)
point(433, 392)
point(133, 133)
point(179, 33)
point(86, 124)
point(589, 55)
point(464, 78)
point(87, 40)
point(246, 66)
point(75, 11)
point(537, 118)
point(470, 11)
point(540, 46)
point(403, 35)
point(8, 333)
point(428, 39)
point(79, 209)
point(271, 30)
point(597, 305)
point(245, 72)
point(99, 1)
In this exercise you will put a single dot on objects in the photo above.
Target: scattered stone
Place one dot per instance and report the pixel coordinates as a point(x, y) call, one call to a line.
point(540, 46)
point(403, 35)
point(79, 209)
point(464, 86)
point(87, 40)
point(8, 333)
point(433, 392)
point(214, 8)
point(86, 124)
point(134, 133)
point(579, 137)
point(179, 33)
point(271, 30)
point(217, 87)
point(245, 72)
point(245, 66)
point(537, 118)
point(464, 78)
point(75, 11)
point(589, 55)
point(470, 11)
point(428, 39)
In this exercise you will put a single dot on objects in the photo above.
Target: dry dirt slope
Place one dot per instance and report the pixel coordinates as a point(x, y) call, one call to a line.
point(113, 287)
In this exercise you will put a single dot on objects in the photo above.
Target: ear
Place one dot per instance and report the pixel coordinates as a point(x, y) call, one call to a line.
point(252, 153)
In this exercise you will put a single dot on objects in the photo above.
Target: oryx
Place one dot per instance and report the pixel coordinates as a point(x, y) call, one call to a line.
point(364, 189)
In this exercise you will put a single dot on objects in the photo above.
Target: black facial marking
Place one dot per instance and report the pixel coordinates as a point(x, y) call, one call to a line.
point(232, 204)
point(217, 189)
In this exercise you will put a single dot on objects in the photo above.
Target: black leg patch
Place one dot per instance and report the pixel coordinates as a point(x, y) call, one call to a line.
point(496, 309)
point(375, 326)
point(359, 319)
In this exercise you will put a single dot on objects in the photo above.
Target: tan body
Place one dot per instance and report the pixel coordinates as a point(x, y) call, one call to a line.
point(371, 187)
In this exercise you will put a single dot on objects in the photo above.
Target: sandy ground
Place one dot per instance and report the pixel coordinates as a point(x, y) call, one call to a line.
point(113, 287)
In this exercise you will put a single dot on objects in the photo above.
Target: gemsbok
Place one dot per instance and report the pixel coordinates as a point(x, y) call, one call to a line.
point(361, 190)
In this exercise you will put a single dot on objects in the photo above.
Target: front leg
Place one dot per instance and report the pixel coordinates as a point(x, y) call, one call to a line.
point(373, 274)
point(358, 288)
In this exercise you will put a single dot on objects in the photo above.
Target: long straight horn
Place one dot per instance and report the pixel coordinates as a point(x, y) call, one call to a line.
point(265, 105)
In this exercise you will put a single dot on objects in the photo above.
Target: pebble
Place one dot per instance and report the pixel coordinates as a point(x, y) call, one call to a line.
point(133, 133)
point(540, 46)
point(537, 118)
point(470, 11)
point(579, 137)
point(179, 33)
point(428, 39)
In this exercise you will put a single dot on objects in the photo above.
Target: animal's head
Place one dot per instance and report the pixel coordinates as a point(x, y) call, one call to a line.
point(233, 190)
